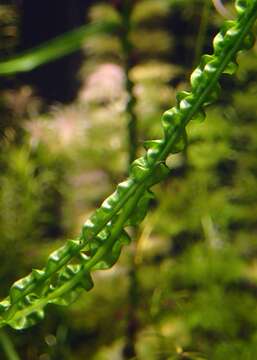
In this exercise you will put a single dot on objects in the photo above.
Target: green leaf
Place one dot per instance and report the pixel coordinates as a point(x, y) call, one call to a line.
point(103, 235)
point(141, 209)
point(112, 256)
point(53, 49)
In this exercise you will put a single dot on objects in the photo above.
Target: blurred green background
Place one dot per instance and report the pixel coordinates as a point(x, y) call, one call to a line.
point(64, 147)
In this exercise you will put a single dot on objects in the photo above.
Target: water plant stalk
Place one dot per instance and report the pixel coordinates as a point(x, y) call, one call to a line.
point(104, 233)
point(132, 136)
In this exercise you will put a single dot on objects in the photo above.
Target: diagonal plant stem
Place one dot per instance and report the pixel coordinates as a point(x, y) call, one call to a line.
point(218, 4)
point(104, 230)
point(53, 49)
point(7, 346)
point(69, 285)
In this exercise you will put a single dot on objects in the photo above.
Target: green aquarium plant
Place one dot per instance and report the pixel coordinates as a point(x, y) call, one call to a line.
point(53, 49)
point(67, 271)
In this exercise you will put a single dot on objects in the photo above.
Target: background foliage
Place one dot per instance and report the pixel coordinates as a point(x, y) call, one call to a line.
point(195, 256)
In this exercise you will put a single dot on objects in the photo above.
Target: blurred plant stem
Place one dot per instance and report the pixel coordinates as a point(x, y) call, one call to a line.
point(132, 146)
point(127, 49)
point(7, 346)
point(53, 49)
point(202, 32)
point(221, 9)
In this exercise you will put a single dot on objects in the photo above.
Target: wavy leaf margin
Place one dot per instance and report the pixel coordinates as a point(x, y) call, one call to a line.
point(67, 271)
